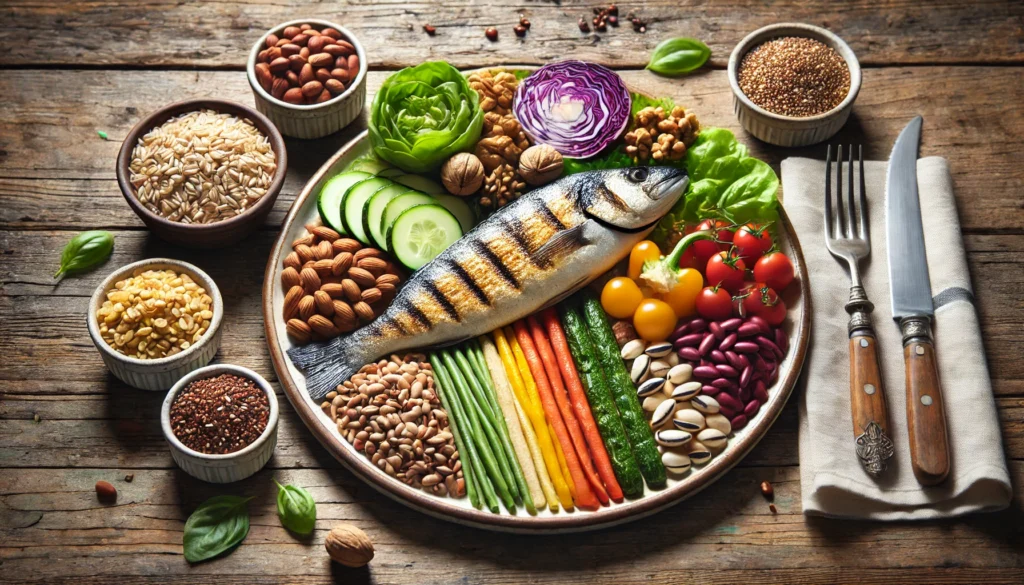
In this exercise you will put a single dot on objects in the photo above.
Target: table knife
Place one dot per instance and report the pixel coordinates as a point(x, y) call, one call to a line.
point(913, 310)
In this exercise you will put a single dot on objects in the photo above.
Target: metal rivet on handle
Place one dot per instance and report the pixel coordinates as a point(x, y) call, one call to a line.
point(920, 350)
point(864, 343)
point(869, 389)
point(926, 400)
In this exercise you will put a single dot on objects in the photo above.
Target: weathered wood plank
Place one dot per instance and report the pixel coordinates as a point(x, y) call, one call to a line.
point(139, 539)
point(205, 34)
point(56, 139)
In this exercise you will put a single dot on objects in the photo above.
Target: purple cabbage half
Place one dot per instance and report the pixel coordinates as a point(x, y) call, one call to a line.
point(577, 108)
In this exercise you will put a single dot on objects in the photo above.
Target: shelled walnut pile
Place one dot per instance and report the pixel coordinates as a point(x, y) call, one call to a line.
point(661, 136)
point(502, 141)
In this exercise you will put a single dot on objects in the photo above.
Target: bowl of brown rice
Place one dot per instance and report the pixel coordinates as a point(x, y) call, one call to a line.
point(202, 173)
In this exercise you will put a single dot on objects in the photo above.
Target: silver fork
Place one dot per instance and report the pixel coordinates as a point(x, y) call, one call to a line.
point(847, 237)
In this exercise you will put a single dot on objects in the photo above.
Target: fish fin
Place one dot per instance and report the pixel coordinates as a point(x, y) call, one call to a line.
point(326, 365)
point(563, 243)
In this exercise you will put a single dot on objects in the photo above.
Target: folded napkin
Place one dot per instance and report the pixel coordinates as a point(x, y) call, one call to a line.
point(831, 478)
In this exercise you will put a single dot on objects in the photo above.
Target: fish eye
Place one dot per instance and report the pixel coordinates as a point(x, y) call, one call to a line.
point(637, 174)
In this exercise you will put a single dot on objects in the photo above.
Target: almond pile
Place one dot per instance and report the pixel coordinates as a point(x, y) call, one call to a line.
point(306, 66)
point(334, 285)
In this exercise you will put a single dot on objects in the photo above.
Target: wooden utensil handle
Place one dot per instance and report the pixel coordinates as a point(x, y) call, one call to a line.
point(867, 399)
point(926, 419)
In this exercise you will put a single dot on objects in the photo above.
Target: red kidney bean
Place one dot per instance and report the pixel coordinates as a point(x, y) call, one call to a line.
point(744, 362)
point(709, 390)
point(689, 353)
point(738, 422)
point(751, 408)
point(766, 354)
point(728, 412)
point(761, 324)
point(745, 376)
point(746, 347)
point(748, 330)
point(705, 362)
point(717, 356)
point(716, 329)
point(724, 383)
point(728, 342)
point(746, 394)
point(697, 325)
point(679, 332)
point(773, 373)
point(689, 340)
point(734, 359)
point(781, 340)
point(709, 372)
point(732, 324)
point(759, 364)
point(727, 370)
point(760, 391)
point(766, 343)
point(706, 344)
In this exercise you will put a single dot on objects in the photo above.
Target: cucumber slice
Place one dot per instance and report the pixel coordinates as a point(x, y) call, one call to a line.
point(373, 210)
point(421, 233)
point(421, 184)
point(369, 164)
point(391, 172)
point(352, 206)
point(460, 209)
point(328, 202)
point(396, 206)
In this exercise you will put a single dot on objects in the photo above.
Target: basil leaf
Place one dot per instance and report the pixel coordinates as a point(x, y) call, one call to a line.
point(677, 56)
point(85, 251)
point(296, 508)
point(217, 525)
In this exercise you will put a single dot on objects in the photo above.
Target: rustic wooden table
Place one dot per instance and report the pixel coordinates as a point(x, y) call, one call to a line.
point(70, 69)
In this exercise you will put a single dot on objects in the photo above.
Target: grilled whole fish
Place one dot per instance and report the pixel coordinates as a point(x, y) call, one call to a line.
point(530, 254)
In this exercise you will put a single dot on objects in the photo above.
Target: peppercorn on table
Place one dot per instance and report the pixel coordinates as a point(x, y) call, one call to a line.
point(74, 91)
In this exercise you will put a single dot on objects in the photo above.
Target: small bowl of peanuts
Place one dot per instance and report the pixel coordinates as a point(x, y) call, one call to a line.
point(202, 173)
point(155, 321)
point(309, 77)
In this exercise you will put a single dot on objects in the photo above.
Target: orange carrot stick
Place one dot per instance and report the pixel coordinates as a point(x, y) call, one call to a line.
point(580, 403)
point(584, 495)
point(547, 357)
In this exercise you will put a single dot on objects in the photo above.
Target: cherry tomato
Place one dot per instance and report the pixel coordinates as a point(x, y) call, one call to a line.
point(774, 269)
point(752, 241)
point(689, 259)
point(762, 300)
point(714, 303)
point(683, 296)
point(654, 320)
point(620, 297)
point(727, 270)
point(642, 252)
point(705, 249)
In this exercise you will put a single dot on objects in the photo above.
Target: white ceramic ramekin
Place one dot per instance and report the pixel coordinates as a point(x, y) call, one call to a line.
point(315, 120)
point(158, 374)
point(785, 130)
point(233, 466)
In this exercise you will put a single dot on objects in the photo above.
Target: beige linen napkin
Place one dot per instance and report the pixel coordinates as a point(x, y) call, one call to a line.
point(831, 477)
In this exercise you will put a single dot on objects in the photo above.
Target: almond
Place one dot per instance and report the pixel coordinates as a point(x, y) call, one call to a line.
point(272, 39)
point(331, 32)
point(307, 307)
point(351, 290)
point(306, 74)
point(334, 290)
point(322, 326)
point(322, 75)
point(305, 253)
point(353, 64)
point(362, 277)
point(313, 224)
point(279, 65)
point(341, 263)
point(320, 60)
point(334, 86)
point(323, 268)
point(304, 52)
point(336, 50)
point(371, 295)
point(306, 239)
point(375, 266)
point(289, 49)
point(363, 311)
point(340, 75)
point(313, 88)
point(317, 43)
point(324, 303)
point(325, 233)
point(292, 260)
point(293, 78)
point(296, 62)
point(291, 31)
point(323, 250)
point(368, 253)
point(105, 491)
point(293, 95)
point(289, 278)
point(301, 39)
point(298, 331)
point(278, 87)
point(346, 245)
point(345, 324)
point(386, 290)
point(389, 278)
point(309, 279)
point(291, 301)
point(344, 311)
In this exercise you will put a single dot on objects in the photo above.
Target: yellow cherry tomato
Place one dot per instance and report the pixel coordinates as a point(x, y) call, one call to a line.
point(683, 296)
point(641, 252)
point(654, 320)
point(620, 297)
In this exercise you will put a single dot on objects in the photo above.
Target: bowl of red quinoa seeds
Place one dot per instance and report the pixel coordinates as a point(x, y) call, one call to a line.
point(221, 423)
point(793, 84)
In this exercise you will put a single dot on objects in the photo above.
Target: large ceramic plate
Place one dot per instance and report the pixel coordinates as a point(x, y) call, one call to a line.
point(304, 211)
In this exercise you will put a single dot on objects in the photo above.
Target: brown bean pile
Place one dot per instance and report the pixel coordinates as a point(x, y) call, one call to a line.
point(795, 76)
point(219, 415)
point(334, 285)
point(306, 66)
point(390, 411)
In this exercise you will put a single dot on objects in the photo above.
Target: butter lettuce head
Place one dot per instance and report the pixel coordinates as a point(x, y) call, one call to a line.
point(422, 115)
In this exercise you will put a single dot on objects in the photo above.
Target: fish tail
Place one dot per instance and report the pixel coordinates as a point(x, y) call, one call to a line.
point(326, 365)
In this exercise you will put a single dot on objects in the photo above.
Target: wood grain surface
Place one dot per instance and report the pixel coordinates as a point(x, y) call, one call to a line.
point(70, 69)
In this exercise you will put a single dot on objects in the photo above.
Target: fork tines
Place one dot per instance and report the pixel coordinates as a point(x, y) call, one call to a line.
point(850, 221)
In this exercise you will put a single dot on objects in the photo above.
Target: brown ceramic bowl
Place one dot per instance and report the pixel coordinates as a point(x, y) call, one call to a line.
point(209, 235)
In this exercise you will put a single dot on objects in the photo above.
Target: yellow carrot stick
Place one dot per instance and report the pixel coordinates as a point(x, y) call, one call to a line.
point(545, 437)
point(503, 392)
point(564, 466)
point(537, 451)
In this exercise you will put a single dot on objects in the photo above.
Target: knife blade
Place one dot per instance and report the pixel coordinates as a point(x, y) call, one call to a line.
point(912, 308)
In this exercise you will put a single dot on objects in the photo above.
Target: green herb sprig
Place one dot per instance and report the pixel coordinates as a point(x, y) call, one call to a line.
point(85, 251)
point(677, 56)
point(296, 508)
point(217, 525)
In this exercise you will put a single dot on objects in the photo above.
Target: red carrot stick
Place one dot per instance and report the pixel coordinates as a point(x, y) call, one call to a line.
point(585, 497)
point(580, 403)
point(547, 358)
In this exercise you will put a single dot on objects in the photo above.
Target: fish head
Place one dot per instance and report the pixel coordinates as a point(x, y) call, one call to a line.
point(634, 198)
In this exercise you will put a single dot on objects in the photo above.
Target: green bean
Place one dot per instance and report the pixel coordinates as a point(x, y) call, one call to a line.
point(443, 384)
